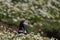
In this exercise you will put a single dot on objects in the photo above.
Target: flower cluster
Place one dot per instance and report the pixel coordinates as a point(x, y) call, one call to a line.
point(39, 13)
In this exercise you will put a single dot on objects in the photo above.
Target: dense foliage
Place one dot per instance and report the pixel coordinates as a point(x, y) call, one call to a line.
point(44, 14)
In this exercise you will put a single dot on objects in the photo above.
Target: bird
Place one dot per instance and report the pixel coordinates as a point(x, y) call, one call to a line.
point(22, 27)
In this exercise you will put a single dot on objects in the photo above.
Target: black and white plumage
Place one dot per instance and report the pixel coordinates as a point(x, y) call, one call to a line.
point(22, 27)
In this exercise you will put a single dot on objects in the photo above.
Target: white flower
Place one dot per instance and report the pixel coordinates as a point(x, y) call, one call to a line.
point(18, 18)
point(31, 25)
point(0, 33)
point(40, 24)
point(4, 14)
point(32, 8)
point(8, 0)
point(9, 15)
point(36, 6)
point(15, 20)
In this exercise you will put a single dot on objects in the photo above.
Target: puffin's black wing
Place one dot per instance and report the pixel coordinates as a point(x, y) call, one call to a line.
point(22, 26)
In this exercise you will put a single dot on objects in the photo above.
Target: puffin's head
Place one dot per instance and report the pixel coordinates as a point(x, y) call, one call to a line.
point(24, 22)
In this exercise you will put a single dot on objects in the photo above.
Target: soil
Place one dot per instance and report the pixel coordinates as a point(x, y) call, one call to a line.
point(8, 27)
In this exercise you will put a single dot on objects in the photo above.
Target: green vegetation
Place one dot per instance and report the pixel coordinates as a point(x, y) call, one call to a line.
point(45, 13)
